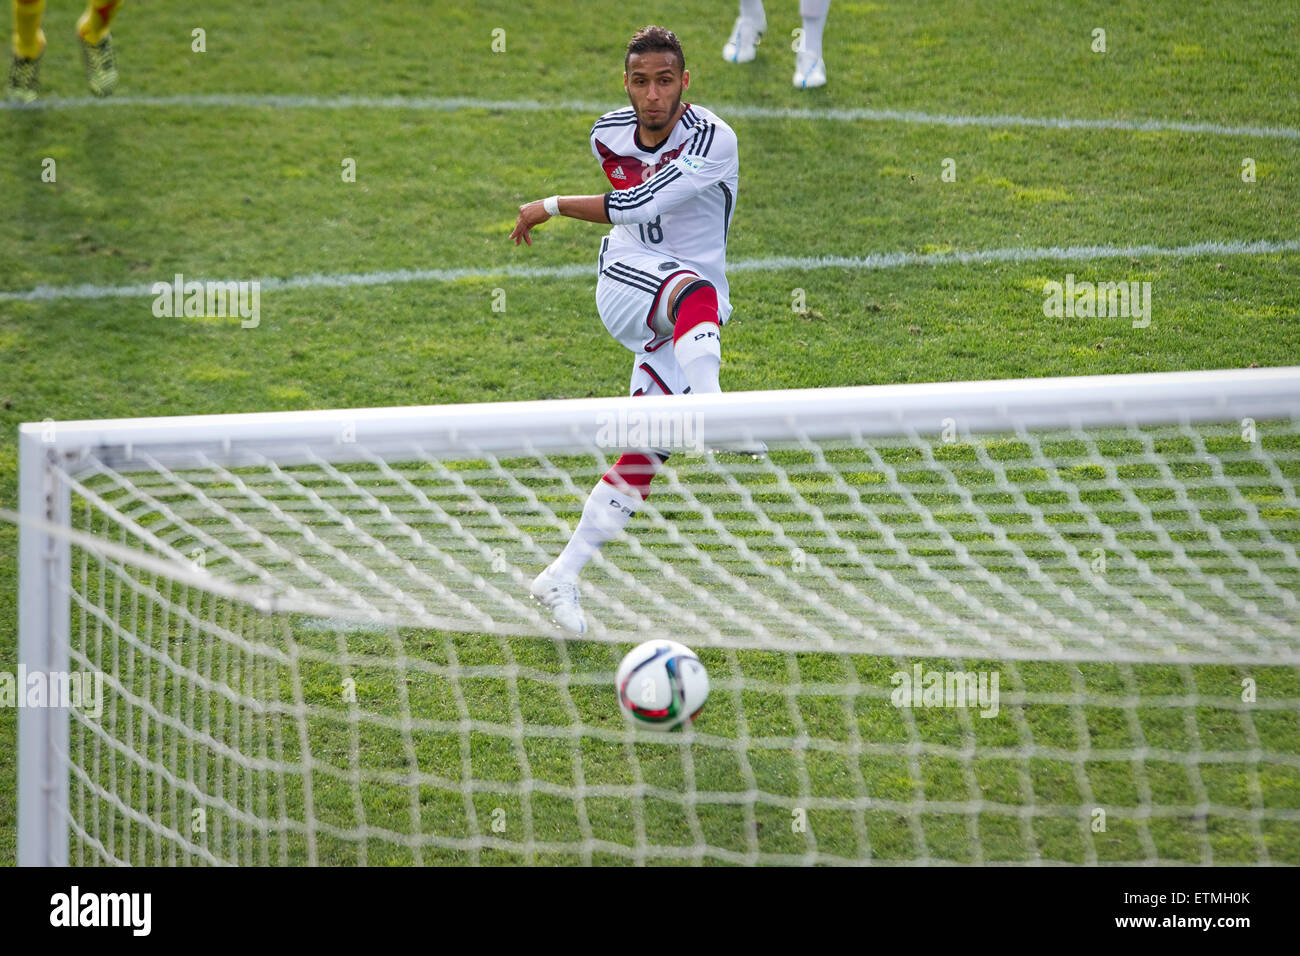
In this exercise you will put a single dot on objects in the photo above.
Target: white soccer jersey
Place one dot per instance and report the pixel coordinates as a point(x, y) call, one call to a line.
point(675, 200)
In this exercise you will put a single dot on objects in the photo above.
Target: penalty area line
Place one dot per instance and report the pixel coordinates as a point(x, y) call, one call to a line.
point(872, 261)
point(454, 103)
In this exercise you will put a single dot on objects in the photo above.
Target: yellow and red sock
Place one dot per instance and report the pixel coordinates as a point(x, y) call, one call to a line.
point(93, 24)
point(29, 38)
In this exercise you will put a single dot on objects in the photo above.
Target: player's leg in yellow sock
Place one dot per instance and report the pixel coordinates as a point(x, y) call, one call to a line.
point(29, 44)
point(97, 45)
point(93, 24)
point(29, 38)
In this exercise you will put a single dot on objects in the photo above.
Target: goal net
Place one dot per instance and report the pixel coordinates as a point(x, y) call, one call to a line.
point(1047, 620)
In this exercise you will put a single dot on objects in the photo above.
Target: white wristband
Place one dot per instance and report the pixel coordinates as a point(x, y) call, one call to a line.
point(552, 205)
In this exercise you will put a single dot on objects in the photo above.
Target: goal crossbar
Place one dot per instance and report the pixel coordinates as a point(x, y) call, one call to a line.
point(815, 413)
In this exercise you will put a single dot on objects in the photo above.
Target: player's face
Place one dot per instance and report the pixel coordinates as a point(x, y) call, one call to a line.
point(654, 82)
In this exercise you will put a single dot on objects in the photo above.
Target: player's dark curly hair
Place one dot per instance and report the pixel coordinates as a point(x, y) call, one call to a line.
point(655, 39)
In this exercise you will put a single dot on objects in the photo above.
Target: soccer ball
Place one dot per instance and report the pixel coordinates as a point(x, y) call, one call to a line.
point(661, 685)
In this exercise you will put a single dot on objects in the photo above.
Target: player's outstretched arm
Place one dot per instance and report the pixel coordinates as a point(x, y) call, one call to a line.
point(587, 208)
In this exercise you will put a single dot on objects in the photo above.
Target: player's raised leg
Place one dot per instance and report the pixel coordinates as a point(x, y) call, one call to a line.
point(697, 346)
point(97, 45)
point(697, 333)
point(616, 497)
point(809, 67)
point(28, 45)
point(746, 32)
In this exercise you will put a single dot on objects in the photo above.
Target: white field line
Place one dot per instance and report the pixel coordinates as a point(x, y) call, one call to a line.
point(450, 104)
point(875, 260)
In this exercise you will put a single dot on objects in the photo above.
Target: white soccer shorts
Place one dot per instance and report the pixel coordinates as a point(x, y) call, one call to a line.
point(630, 290)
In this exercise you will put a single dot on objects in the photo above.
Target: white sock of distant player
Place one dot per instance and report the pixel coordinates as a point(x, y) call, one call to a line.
point(752, 10)
point(605, 514)
point(813, 13)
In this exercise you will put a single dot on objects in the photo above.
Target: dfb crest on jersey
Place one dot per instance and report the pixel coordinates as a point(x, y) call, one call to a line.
point(665, 266)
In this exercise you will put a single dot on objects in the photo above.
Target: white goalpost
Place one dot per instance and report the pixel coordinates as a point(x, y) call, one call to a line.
point(1029, 621)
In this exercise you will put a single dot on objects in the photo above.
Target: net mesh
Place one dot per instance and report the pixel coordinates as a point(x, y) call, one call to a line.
point(371, 683)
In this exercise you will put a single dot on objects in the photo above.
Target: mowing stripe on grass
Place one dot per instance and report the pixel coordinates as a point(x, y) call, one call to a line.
point(875, 260)
point(452, 103)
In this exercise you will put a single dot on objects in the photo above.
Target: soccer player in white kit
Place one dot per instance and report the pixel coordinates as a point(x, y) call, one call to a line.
point(662, 286)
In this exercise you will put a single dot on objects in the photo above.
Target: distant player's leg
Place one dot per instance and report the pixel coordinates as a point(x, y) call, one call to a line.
point(809, 67)
point(746, 32)
point(616, 497)
point(97, 45)
point(29, 44)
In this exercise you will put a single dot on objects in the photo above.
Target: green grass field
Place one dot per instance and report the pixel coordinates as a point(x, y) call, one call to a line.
point(242, 191)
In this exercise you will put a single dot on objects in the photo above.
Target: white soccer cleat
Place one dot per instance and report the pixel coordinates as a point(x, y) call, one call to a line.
point(560, 597)
point(809, 71)
point(745, 36)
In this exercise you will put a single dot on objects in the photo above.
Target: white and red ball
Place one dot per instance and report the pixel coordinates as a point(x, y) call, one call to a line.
point(661, 685)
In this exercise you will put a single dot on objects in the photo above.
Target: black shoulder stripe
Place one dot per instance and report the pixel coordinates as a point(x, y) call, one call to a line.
point(600, 126)
point(693, 144)
point(708, 143)
point(698, 144)
point(616, 118)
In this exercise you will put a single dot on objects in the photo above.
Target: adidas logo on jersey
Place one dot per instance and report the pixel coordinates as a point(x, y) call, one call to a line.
point(618, 173)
